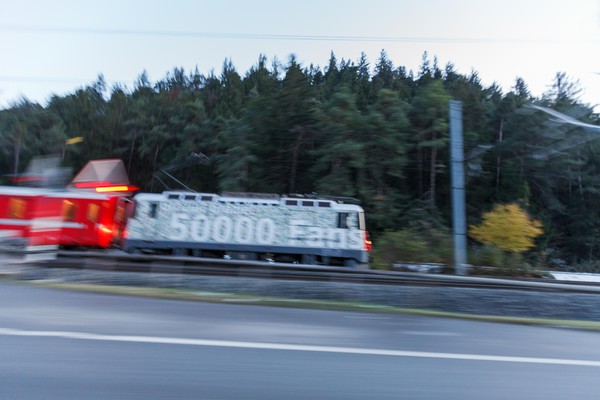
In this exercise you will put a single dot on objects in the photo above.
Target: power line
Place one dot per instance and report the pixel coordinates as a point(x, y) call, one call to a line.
point(34, 79)
point(297, 37)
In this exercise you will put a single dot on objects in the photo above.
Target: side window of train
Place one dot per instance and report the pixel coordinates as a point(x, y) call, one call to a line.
point(92, 212)
point(342, 217)
point(153, 212)
point(16, 208)
point(68, 211)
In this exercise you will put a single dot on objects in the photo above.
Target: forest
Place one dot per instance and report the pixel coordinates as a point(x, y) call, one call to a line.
point(377, 133)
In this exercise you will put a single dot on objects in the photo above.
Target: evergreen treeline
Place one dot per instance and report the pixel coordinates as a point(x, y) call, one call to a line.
point(381, 137)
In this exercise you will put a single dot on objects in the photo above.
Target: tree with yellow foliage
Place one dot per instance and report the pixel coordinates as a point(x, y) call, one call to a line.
point(508, 227)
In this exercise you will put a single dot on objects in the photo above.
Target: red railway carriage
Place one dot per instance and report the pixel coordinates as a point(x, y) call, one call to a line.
point(29, 218)
point(88, 213)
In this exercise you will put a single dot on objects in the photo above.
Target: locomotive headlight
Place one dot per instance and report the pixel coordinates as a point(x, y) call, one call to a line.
point(105, 229)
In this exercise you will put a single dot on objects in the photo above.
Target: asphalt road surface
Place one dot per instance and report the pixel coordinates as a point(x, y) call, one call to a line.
point(69, 345)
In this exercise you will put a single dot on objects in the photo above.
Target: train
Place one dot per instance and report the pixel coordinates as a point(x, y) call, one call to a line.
point(100, 209)
point(249, 226)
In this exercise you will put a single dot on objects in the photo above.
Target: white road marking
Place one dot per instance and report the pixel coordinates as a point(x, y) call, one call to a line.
point(430, 333)
point(241, 300)
point(296, 347)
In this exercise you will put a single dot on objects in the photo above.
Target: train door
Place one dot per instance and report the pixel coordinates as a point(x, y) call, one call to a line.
point(150, 214)
point(104, 223)
point(71, 227)
point(124, 208)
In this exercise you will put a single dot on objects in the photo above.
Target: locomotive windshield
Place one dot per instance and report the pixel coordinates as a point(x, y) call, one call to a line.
point(351, 220)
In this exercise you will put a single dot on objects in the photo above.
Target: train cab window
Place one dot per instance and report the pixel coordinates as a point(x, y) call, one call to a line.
point(347, 220)
point(153, 212)
point(68, 211)
point(16, 208)
point(92, 212)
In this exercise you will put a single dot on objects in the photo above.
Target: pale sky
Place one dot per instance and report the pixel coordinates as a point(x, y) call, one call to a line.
point(58, 46)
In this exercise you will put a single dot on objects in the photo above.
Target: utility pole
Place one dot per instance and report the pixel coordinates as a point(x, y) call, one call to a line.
point(458, 188)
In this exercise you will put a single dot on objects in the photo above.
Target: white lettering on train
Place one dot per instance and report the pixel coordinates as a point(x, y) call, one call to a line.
point(180, 230)
point(200, 228)
point(244, 230)
point(265, 231)
point(222, 229)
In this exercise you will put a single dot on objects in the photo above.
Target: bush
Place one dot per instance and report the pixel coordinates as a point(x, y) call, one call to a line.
point(409, 245)
point(491, 260)
point(487, 256)
point(588, 266)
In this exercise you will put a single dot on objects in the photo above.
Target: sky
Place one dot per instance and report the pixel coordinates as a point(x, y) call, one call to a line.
point(56, 47)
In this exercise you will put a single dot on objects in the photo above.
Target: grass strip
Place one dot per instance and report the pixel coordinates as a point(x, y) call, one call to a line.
point(231, 298)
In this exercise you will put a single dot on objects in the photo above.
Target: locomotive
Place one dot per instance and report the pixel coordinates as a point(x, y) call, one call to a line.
point(307, 230)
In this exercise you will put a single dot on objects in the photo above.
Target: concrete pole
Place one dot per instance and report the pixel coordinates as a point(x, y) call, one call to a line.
point(457, 171)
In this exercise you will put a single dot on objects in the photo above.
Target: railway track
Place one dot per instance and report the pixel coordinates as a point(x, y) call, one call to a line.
point(120, 261)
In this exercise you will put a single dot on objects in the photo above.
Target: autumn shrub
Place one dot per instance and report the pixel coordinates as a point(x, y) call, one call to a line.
point(506, 232)
point(508, 227)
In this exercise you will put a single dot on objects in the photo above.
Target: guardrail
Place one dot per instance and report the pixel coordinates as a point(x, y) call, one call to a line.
point(120, 261)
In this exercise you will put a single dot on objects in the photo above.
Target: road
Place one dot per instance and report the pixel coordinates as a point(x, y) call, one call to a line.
point(71, 345)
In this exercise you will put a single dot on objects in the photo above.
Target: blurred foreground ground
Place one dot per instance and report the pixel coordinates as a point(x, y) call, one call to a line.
point(58, 344)
point(470, 301)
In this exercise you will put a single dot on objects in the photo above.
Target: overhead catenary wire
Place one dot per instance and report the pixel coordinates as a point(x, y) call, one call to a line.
point(270, 36)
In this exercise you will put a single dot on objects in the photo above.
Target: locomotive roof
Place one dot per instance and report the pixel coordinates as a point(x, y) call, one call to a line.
point(110, 170)
point(256, 200)
point(251, 196)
